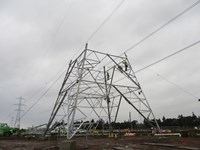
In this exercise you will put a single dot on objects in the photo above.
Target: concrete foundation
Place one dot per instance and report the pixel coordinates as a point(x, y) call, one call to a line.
point(67, 145)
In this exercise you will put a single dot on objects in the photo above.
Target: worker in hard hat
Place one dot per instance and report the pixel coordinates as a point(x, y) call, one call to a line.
point(120, 68)
point(107, 75)
point(125, 62)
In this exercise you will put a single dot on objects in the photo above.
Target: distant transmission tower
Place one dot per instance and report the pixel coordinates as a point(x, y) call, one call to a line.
point(92, 90)
point(19, 110)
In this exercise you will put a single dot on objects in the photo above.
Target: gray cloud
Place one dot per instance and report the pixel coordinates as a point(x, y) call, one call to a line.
point(39, 37)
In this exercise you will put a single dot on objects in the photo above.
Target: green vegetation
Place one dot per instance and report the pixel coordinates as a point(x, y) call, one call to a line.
point(180, 122)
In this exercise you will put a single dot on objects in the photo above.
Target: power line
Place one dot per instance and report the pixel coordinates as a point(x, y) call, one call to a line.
point(57, 29)
point(41, 96)
point(60, 24)
point(107, 18)
point(46, 83)
point(57, 73)
point(9, 115)
point(90, 37)
point(98, 28)
point(53, 39)
point(101, 25)
point(164, 58)
point(174, 84)
point(154, 32)
point(161, 27)
point(177, 86)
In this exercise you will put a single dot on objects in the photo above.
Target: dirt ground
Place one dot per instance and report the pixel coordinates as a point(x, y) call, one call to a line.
point(100, 143)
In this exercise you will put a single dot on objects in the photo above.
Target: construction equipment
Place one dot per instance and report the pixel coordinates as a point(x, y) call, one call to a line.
point(34, 132)
point(6, 131)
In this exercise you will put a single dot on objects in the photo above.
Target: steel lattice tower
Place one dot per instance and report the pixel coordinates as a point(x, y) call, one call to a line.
point(92, 89)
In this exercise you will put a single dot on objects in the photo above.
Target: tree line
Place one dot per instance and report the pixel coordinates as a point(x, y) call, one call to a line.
point(179, 122)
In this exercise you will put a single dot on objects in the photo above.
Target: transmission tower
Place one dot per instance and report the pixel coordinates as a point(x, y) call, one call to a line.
point(19, 110)
point(91, 90)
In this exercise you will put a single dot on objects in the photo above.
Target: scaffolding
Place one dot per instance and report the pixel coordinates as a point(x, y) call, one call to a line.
point(92, 89)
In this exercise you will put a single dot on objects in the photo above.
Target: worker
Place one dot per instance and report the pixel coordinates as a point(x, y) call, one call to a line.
point(140, 92)
point(125, 62)
point(107, 75)
point(62, 131)
point(120, 68)
point(108, 99)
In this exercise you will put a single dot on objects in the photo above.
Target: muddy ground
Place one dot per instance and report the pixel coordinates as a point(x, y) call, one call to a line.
point(100, 143)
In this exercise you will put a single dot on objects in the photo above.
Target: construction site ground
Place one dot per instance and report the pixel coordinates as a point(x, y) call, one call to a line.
point(105, 143)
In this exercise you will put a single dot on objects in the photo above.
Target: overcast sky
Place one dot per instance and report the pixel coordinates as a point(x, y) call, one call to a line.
point(38, 38)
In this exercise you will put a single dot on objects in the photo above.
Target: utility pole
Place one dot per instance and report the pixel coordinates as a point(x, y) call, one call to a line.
point(19, 110)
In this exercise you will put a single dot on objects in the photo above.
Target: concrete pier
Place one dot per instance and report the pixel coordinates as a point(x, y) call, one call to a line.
point(67, 145)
